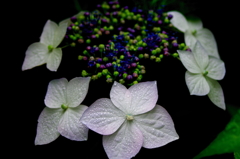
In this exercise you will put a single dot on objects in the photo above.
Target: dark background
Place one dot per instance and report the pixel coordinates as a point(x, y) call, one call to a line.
point(197, 120)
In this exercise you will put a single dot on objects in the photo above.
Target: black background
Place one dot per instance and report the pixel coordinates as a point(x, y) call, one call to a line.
point(197, 120)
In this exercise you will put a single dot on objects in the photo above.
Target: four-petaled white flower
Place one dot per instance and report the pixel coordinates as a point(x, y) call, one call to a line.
point(202, 73)
point(193, 30)
point(63, 111)
point(46, 50)
point(130, 120)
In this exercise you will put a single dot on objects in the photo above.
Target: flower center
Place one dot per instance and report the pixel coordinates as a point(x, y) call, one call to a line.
point(64, 107)
point(129, 117)
point(194, 32)
point(50, 48)
point(205, 73)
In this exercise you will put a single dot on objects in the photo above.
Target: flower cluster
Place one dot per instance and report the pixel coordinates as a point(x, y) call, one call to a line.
point(113, 42)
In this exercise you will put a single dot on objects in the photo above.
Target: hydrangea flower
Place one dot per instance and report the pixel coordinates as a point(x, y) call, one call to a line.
point(63, 111)
point(193, 31)
point(130, 120)
point(46, 50)
point(202, 73)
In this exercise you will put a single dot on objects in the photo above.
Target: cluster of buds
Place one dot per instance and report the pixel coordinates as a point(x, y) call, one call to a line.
point(113, 41)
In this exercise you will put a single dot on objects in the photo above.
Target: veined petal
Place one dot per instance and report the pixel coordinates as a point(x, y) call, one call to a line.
point(144, 97)
point(48, 33)
point(157, 127)
point(54, 59)
point(200, 56)
point(60, 33)
point(121, 97)
point(36, 55)
point(179, 21)
point(216, 93)
point(77, 89)
point(56, 95)
point(206, 38)
point(124, 143)
point(103, 117)
point(194, 23)
point(190, 39)
point(197, 84)
point(70, 125)
point(216, 68)
point(189, 61)
point(47, 126)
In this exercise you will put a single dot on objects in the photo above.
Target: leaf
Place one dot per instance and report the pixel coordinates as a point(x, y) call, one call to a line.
point(227, 141)
point(237, 155)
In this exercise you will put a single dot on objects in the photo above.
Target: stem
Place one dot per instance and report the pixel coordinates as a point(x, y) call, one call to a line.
point(77, 5)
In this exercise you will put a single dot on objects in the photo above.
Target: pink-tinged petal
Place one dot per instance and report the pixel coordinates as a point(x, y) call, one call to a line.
point(36, 55)
point(206, 38)
point(60, 33)
point(56, 95)
point(124, 143)
point(121, 97)
point(197, 84)
point(77, 89)
point(70, 125)
point(216, 93)
point(200, 56)
point(54, 59)
point(189, 61)
point(48, 33)
point(157, 127)
point(216, 68)
point(179, 21)
point(103, 117)
point(144, 97)
point(47, 126)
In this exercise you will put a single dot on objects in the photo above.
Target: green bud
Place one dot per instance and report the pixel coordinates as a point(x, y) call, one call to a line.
point(109, 80)
point(88, 41)
point(175, 55)
point(95, 30)
point(154, 52)
point(50, 48)
point(85, 52)
point(123, 15)
point(122, 57)
point(166, 20)
point(134, 17)
point(114, 63)
point(139, 78)
point(158, 59)
point(205, 73)
point(194, 32)
point(125, 75)
point(161, 56)
point(182, 45)
point(105, 28)
point(108, 76)
point(127, 37)
point(143, 32)
point(135, 82)
point(114, 20)
point(105, 72)
point(64, 107)
point(140, 19)
point(101, 46)
point(155, 19)
point(129, 17)
point(94, 77)
point(84, 73)
point(97, 35)
point(152, 57)
point(118, 61)
point(140, 56)
point(73, 44)
point(99, 74)
point(80, 57)
point(144, 44)
point(115, 73)
point(76, 28)
point(81, 17)
point(121, 81)
point(158, 50)
point(146, 56)
point(111, 27)
point(105, 59)
point(98, 65)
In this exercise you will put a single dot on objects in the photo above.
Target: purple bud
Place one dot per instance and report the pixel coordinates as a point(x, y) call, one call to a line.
point(85, 58)
point(99, 60)
point(69, 28)
point(175, 45)
point(140, 48)
point(126, 7)
point(133, 64)
point(136, 58)
point(99, 6)
point(86, 13)
point(165, 49)
point(108, 64)
point(66, 36)
point(164, 32)
point(73, 19)
point(102, 66)
point(93, 36)
point(188, 49)
point(170, 16)
point(135, 75)
point(107, 14)
point(129, 77)
point(166, 53)
point(114, 13)
point(101, 29)
point(96, 49)
point(88, 47)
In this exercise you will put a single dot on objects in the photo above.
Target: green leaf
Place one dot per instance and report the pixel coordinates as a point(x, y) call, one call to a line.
point(237, 155)
point(227, 141)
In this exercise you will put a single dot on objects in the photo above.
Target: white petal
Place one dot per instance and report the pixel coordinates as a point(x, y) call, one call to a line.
point(216, 93)
point(47, 126)
point(54, 59)
point(190, 39)
point(194, 23)
point(206, 38)
point(200, 56)
point(179, 21)
point(60, 33)
point(216, 68)
point(36, 55)
point(157, 127)
point(144, 97)
point(56, 95)
point(103, 117)
point(70, 125)
point(77, 89)
point(197, 84)
point(189, 61)
point(48, 33)
point(121, 97)
point(124, 143)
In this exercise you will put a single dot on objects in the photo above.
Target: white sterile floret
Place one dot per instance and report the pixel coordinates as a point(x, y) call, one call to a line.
point(202, 73)
point(130, 120)
point(46, 50)
point(63, 111)
point(193, 30)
